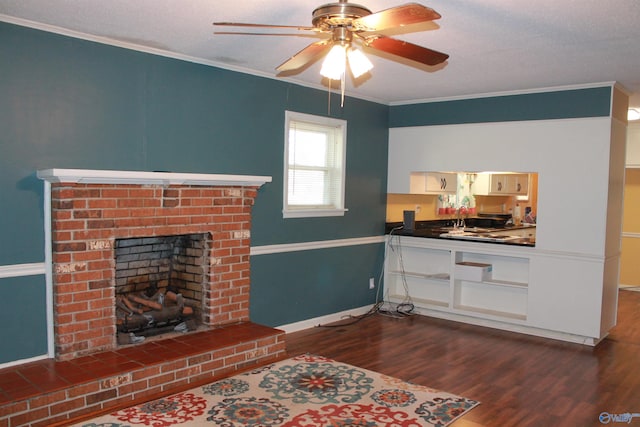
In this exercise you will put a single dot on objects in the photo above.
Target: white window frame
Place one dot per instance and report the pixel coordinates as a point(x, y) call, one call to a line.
point(337, 129)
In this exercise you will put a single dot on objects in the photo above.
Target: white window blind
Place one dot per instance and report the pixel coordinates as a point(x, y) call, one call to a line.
point(314, 166)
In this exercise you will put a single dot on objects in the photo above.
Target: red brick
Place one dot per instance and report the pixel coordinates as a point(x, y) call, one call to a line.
point(86, 296)
point(67, 405)
point(101, 396)
point(72, 308)
point(189, 372)
point(26, 418)
point(99, 223)
point(102, 203)
point(145, 373)
point(147, 392)
point(173, 366)
point(87, 192)
point(86, 335)
point(161, 379)
point(68, 225)
point(115, 192)
point(61, 215)
point(83, 389)
point(13, 408)
point(100, 303)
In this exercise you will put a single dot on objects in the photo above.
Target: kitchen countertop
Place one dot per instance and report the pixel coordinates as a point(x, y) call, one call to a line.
point(441, 229)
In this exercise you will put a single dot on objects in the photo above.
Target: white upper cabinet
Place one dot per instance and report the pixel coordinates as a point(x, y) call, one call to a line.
point(433, 183)
point(518, 184)
point(500, 184)
point(509, 184)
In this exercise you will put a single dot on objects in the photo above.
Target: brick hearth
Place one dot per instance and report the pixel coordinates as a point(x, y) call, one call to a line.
point(50, 392)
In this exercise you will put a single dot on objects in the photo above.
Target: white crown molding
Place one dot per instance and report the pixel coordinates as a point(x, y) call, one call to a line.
point(505, 93)
point(88, 176)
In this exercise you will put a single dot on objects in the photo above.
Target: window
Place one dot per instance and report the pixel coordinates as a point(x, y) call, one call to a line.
point(314, 166)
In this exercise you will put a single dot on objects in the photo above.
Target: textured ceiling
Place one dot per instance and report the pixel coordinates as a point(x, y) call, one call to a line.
point(495, 46)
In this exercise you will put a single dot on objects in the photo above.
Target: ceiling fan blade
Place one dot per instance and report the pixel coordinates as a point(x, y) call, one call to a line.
point(306, 56)
point(411, 13)
point(244, 24)
point(406, 50)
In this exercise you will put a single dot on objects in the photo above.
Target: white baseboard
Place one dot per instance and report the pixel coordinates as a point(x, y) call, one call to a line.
point(504, 326)
point(329, 318)
point(22, 361)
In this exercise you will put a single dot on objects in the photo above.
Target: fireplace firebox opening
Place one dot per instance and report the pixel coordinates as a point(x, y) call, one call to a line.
point(159, 285)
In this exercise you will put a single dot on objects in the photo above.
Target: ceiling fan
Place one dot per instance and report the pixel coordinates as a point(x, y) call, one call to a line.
point(346, 22)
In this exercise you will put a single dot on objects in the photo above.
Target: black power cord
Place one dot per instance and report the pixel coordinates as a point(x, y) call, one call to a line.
point(400, 310)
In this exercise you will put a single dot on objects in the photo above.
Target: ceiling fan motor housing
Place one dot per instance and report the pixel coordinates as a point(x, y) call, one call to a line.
point(332, 15)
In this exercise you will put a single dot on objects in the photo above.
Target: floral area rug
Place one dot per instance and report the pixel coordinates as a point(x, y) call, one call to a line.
point(307, 390)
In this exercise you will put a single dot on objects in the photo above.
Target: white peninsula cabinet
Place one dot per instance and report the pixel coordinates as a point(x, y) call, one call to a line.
point(515, 295)
point(566, 287)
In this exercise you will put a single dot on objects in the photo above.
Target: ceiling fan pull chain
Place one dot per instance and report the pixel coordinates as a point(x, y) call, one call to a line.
point(329, 99)
point(342, 81)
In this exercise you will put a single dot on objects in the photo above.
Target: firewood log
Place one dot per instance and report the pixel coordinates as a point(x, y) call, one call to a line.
point(153, 304)
point(128, 305)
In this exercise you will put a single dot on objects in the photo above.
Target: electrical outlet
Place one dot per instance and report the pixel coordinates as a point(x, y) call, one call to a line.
point(418, 208)
point(372, 283)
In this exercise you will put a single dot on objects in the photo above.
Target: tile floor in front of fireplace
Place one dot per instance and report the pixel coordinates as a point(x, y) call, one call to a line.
point(45, 376)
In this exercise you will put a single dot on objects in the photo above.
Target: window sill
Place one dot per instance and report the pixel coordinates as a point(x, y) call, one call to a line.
point(313, 213)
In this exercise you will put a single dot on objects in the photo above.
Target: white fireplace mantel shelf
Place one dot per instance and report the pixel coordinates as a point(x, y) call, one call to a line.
point(88, 176)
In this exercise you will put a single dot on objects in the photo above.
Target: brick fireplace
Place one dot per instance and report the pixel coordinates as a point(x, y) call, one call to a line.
point(91, 210)
point(91, 215)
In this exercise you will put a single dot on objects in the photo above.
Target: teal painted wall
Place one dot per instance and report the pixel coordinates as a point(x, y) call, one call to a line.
point(22, 318)
point(564, 104)
point(68, 103)
point(305, 279)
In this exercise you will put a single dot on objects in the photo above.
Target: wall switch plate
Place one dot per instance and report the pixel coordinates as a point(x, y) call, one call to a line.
point(372, 283)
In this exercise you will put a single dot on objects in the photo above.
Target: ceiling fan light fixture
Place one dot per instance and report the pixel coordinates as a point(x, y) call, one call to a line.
point(358, 62)
point(334, 64)
point(633, 114)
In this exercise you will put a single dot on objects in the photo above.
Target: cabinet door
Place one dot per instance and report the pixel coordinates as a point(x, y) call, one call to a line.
point(433, 183)
point(498, 183)
point(480, 186)
point(509, 184)
point(518, 184)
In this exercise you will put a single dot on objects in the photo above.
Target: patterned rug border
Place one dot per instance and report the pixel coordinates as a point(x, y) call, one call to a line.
point(305, 390)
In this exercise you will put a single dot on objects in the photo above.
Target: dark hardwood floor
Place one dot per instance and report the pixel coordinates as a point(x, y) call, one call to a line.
point(520, 380)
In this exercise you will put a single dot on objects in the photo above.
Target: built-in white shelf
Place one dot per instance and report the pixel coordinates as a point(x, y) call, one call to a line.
point(424, 272)
point(506, 283)
point(432, 276)
point(420, 301)
point(490, 313)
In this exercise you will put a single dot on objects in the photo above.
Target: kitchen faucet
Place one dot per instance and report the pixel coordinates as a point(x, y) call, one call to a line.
point(460, 221)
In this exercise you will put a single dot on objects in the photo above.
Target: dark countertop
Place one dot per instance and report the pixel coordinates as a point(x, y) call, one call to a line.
point(434, 230)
